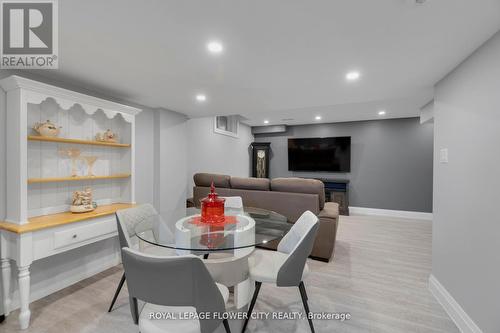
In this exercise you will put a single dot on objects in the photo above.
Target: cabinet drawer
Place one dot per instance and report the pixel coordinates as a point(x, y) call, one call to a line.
point(83, 233)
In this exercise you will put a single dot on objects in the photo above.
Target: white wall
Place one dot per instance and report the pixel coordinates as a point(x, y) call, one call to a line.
point(144, 156)
point(217, 153)
point(170, 164)
point(466, 227)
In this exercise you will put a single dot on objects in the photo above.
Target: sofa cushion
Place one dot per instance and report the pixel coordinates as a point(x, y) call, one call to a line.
point(206, 179)
point(291, 205)
point(258, 184)
point(300, 185)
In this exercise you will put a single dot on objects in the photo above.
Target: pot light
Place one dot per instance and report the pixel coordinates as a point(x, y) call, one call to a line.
point(201, 98)
point(215, 47)
point(381, 113)
point(317, 117)
point(352, 76)
point(266, 121)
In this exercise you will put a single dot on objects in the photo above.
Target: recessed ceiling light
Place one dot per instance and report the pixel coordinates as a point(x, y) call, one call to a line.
point(266, 121)
point(201, 98)
point(317, 117)
point(381, 113)
point(215, 47)
point(352, 76)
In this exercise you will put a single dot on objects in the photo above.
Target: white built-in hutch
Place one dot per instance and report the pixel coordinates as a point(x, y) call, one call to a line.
point(41, 178)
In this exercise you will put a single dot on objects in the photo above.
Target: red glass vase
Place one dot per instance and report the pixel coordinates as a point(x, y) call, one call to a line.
point(212, 207)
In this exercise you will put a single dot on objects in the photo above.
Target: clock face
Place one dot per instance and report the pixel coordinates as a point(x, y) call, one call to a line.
point(261, 154)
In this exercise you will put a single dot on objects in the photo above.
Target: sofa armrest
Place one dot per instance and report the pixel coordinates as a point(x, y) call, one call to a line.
point(331, 210)
point(324, 245)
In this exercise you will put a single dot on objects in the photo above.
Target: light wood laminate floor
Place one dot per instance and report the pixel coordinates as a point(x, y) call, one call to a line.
point(379, 275)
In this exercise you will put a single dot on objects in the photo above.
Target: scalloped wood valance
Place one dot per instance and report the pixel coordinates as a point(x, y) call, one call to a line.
point(36, 92)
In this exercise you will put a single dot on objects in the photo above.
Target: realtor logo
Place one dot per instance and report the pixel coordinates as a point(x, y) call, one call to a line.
point(29, 34)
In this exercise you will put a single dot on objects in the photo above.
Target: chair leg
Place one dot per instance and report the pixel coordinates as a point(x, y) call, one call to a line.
point(226, 326)
point(304, 291)
point(117, 292)
point(134, 309)
point(303, 295)
point(252, 303)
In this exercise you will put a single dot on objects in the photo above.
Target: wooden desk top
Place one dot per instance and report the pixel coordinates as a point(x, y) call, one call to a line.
point(55, 220)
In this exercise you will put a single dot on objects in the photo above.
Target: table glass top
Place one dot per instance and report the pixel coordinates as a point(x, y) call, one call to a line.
point(242, 229)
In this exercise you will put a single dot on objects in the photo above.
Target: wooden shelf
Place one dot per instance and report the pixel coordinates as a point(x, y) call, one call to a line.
point(54, 220)
point(77, 141)
point(67, 179)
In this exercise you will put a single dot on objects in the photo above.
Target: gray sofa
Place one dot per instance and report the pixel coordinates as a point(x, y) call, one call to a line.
point(287, 196)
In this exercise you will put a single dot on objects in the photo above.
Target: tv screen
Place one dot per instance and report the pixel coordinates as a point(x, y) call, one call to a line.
point(320, 154)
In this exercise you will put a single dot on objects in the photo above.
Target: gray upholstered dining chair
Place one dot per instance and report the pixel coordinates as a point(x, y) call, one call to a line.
point(173, 286)
point(233, 205)
point(287, 266)
point(127, 220)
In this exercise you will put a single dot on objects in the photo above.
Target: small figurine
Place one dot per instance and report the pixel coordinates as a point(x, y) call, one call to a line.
point(82, 201)
point(47, 129)
point(107, 136)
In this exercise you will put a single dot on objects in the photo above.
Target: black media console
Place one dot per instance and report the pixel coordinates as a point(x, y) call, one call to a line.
point(337, 190)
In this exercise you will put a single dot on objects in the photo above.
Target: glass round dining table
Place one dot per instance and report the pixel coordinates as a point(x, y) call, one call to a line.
point(189, 235)
point(224, 247)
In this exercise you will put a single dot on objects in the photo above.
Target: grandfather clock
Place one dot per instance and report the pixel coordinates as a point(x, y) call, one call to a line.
point(260, 159)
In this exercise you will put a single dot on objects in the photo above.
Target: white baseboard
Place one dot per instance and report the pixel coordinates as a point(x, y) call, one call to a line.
point(390, 213)
point(464, 323)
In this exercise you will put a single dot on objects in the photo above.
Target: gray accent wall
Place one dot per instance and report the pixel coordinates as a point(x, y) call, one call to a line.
point(466, 226)
point(391, 161)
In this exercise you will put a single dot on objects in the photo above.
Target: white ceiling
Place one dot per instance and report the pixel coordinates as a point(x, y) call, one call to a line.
point(282, 58)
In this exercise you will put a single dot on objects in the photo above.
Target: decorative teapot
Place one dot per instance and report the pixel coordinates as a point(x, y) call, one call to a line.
point(47, 129)
point(107, 136)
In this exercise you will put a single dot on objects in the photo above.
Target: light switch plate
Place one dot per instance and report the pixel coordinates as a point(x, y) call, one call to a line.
point(443, 155)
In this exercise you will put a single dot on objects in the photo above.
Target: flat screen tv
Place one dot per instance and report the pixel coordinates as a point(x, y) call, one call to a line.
point(320, 154)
